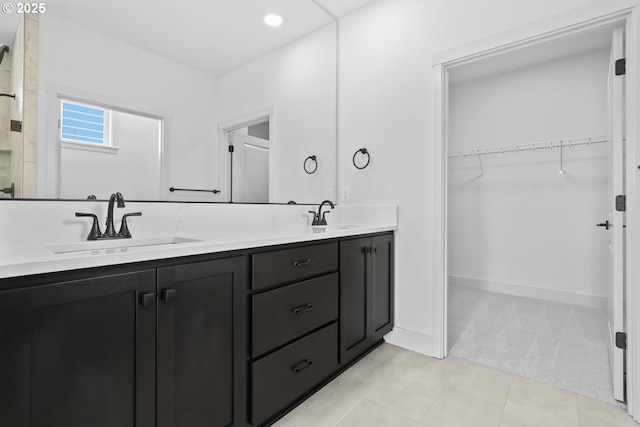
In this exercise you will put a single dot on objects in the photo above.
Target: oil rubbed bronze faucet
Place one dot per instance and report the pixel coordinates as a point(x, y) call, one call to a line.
point(318, 218)
point(110, 233)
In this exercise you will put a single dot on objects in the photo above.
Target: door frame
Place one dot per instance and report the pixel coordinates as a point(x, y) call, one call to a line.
point(589, 17)
point(227, 126)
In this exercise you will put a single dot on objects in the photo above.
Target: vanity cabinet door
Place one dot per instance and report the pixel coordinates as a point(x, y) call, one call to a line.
point(382, 300)
point(201, 325)
point(355, 298)
point(366, 294)
point(79, 353)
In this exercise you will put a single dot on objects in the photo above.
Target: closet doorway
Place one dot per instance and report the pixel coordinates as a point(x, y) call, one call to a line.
point(528, 173)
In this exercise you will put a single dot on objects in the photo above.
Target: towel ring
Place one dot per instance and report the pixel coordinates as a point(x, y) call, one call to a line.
point(363, 151)
point(308, 169)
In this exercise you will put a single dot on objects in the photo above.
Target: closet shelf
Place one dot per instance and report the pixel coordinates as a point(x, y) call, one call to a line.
point(535, 146)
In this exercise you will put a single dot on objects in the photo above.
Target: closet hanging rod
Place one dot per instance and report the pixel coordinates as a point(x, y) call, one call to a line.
point(561, 143)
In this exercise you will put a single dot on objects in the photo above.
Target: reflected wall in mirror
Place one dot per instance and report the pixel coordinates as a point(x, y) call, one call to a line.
point(192, 72)
point(18, 107)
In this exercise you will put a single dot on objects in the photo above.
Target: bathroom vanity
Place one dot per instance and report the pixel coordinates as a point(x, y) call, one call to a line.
point(235, 337)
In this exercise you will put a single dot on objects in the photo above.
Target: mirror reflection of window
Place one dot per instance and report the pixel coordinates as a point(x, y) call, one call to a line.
point(104, 150)
point(250, 163)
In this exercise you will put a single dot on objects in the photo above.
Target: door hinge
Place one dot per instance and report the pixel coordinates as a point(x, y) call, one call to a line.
point(621, 67)
point(621, 340)
point(621, 203)
point(15, 126)
point(231, 148)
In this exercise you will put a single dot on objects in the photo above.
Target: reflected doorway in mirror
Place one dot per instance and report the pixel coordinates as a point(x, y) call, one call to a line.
point(247, 161)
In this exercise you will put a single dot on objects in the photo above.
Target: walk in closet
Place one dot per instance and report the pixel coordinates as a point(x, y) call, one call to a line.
point(529, 142)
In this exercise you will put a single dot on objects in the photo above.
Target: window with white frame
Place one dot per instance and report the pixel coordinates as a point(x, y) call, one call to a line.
point(82, 123)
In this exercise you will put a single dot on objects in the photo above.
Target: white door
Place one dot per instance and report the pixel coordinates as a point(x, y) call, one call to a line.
point(616, 220)
point(250, 175)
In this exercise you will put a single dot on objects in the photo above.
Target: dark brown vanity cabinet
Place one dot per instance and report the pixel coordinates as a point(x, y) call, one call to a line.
point(79, 353)
point(366, 293)
point(294, 333)
point(196, 341)
point(158, 347)
point(201, 345)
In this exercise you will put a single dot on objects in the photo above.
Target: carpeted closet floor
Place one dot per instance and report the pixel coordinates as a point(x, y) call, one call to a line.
point(558, 344)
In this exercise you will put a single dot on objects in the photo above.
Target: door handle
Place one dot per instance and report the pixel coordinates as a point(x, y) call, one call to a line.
point(607, 225)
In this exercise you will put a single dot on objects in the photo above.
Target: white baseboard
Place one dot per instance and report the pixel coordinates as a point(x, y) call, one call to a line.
point(411, 340)
point(592, 301)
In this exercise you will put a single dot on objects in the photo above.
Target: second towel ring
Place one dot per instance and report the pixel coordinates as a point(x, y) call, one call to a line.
point(363, 151)
point(308, 169)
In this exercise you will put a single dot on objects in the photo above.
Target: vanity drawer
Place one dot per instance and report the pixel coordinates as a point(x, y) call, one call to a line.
point(284, 376)
point(286, 313)
point(288, 265)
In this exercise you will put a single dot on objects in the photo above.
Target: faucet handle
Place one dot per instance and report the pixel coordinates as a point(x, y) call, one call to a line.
point(95, 233)
point(124, 230)
point(316, 218)
point(323, 221)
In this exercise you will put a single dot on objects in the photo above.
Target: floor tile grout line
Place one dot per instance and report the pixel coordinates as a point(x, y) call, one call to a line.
point(366, 394)
point(506, 400)
point(432, 402)
point(378, 382)
point(482, 366)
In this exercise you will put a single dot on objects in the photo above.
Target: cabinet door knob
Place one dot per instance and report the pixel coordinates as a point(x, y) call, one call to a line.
point(168, 295)
point(147, 299)
point(299, 367)
point(301, 309)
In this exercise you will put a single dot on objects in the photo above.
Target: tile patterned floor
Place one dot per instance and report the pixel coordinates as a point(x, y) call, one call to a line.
point(395, 387)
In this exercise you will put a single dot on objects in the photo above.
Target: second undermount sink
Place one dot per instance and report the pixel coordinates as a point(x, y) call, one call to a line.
point(117, 244)
point(336, 227)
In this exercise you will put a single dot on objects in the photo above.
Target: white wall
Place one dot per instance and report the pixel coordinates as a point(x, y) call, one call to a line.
point(75, 57)
point(299, 81)
point(386, 105)
point(523, 224)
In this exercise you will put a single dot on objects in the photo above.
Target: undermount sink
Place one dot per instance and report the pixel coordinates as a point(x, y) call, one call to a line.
point(117, 244)
point(336, 227)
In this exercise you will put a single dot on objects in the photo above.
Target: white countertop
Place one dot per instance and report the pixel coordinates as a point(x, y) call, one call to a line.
point(33, 233)
point(27, 259)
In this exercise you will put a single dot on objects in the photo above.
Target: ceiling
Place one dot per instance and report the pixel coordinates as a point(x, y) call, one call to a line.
point(214, 36)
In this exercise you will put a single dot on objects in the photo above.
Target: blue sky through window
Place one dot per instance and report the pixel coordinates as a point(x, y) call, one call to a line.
point(81, 123)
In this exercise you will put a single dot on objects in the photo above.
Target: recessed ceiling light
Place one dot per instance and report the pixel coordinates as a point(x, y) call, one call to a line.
point(273, 20)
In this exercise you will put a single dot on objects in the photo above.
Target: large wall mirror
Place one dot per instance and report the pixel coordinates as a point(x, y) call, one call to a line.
point(144, 97)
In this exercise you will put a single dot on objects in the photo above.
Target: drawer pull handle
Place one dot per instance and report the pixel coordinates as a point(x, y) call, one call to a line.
point(299, 367)
point(302, 263)
point(301, 309)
